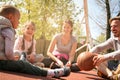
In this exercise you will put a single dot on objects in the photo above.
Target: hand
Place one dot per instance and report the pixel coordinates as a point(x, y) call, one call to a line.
point(17, 55)
point(31, 58)
point(16, 58)
point(98, 59)
point(68, 64)
point(60, 63)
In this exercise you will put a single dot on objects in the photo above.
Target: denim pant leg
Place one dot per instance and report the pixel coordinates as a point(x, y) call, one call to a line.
point(112, 64)
point(47, 61)
point(22, 67)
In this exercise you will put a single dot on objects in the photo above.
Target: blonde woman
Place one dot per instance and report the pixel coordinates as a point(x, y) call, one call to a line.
point(62, 48)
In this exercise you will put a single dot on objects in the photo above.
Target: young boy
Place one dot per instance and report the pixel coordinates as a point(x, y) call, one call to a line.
point(9, 20)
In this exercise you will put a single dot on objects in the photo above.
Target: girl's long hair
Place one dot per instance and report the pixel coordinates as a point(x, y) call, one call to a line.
point(23, 45)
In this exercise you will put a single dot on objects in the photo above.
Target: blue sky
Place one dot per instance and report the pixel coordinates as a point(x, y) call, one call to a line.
point(92, 10)
point(96, 14)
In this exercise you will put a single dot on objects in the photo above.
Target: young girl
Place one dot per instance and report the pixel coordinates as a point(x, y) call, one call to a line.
point(26, 44)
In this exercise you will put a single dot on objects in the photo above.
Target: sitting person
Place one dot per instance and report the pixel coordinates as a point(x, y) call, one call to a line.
point(107, 70)
point(62, 48)
point(27, 44)
point(9, 20)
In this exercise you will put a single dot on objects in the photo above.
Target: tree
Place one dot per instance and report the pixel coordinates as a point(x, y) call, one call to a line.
point(47, 14)
point(101, 38)
point(108, 32)
point(118, 14)
point(108, 9)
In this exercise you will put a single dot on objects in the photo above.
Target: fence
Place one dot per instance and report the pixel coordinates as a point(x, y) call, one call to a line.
point(43, 44)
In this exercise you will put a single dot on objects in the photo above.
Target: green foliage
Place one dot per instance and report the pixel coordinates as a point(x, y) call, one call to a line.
point(78, 31)
point(101, 38)
point(48, 15)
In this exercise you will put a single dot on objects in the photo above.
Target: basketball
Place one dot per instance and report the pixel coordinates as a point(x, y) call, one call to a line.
point(85, 61)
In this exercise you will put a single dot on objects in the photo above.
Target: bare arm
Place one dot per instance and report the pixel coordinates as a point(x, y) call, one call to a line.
point(50, 50)
point(72, 52)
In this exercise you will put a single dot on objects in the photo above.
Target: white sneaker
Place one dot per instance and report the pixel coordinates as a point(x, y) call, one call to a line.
point(61, 72)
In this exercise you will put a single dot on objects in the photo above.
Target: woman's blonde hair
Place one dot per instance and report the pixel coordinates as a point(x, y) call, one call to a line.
point(70, 23)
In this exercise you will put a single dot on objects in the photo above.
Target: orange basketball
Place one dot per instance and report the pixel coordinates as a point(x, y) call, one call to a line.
point(85, 61)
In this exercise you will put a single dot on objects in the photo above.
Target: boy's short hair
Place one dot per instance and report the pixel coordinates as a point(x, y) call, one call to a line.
point(8, 9)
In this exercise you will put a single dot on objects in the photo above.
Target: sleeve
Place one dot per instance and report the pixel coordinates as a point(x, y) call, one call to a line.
point(103, 46)
point(56, 36)
point(34, 47)
point(74, 40)
point(113, 55)
point(9, 36)
point(18, 44)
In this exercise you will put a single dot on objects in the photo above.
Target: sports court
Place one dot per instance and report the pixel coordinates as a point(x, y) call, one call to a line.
point(82, 75)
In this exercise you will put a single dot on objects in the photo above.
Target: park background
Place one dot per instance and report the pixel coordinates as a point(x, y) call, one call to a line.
point(49, 15)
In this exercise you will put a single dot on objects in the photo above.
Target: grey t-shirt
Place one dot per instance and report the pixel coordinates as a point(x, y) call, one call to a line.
point(64, 48)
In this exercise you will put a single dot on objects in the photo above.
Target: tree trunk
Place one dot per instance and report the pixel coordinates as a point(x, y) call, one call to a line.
point(118, 14)
point(108, 32)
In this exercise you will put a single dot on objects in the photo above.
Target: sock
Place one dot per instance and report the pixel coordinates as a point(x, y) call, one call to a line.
point(50, 73)
point(110, 74)
point(56, 72)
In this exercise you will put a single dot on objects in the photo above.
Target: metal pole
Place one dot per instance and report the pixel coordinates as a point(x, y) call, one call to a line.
point(88, 35)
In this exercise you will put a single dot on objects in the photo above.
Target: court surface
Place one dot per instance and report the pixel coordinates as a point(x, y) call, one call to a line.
point(82, 75)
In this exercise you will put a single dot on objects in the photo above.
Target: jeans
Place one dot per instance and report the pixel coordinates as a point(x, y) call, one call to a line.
point(112, 64)
point(22, 67)
point(48, 61)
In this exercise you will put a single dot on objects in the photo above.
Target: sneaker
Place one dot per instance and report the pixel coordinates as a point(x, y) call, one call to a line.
point(74, 68)
point(23, 56)
point(62, 72)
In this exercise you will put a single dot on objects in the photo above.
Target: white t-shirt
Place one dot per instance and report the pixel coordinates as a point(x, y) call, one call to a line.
point(19, 43)
point(112, 43)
